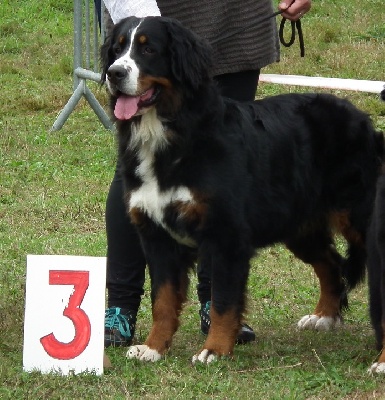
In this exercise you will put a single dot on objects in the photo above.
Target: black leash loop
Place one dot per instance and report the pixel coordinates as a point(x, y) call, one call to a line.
point(294, 25)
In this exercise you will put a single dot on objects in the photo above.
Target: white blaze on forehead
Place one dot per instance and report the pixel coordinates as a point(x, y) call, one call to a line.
point(130, 84)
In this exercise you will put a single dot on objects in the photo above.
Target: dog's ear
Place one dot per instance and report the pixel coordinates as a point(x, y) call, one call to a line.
point(191, 56)
point(105, 57)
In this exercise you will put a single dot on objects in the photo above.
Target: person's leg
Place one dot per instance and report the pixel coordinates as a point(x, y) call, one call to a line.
point(126, 264)
point(241, 86)
point(125, 268)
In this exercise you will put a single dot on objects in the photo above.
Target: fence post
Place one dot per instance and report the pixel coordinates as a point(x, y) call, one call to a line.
point(81, 75)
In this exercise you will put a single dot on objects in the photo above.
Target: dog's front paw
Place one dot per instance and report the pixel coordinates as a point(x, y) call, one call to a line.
point(205, 357)
point(143, 353)
point(377, 368)
point(317, 323)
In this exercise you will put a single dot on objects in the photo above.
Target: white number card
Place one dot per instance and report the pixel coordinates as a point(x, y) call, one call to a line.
point(64, 314)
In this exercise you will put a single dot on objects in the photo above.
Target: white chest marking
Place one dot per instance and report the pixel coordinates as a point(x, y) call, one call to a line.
point(148, 138)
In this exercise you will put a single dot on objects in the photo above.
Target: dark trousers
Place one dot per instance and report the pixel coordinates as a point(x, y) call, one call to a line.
point(125, 260)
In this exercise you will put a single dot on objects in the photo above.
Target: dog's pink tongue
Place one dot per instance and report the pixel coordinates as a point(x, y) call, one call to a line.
point(126, 107)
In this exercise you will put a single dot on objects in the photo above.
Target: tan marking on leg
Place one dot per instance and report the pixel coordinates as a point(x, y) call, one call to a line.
point(381, 359)
point(223, 332)
point(329, 302)
point(165, 314)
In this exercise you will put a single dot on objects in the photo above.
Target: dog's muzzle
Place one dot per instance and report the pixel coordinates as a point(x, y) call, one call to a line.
point(116, 74)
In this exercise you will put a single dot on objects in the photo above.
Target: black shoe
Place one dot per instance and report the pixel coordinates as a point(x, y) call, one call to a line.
point(119, 327)
point(245, 334)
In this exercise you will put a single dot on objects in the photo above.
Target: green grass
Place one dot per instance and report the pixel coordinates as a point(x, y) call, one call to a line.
point(52, 199)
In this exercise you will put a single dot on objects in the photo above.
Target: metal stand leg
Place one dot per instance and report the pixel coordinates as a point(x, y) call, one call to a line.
point(82, 90)
point(81, 75)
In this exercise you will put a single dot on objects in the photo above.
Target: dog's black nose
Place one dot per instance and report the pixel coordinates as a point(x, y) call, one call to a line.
point(116, 73)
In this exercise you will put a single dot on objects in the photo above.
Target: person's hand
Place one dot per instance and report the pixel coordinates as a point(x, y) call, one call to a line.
point(294, 10)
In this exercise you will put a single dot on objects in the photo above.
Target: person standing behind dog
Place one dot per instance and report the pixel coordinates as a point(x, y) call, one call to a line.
point(237, 64)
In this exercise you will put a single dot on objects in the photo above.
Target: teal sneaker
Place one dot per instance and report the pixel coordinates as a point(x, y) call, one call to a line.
point(119, 327)
point(245, 334)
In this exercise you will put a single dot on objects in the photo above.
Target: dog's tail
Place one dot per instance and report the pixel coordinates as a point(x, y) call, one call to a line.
point(353, 270)
point(354, 265)
point(355, 277)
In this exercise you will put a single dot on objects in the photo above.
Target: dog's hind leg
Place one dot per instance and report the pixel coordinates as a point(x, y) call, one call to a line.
point(317, 248)
point(376, 278)
point(376, 275)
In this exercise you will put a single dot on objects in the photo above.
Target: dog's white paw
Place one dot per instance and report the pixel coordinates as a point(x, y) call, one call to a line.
point(143, 353)
point(205, 357)
point(377, 368)
point(317, 323)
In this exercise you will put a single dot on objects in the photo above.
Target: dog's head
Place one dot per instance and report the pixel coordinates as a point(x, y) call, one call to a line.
point(153, 62)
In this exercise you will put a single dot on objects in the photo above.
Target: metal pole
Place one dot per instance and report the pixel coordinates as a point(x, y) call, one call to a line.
point(96, 41)
point(78, 53)
point(69, 107)
point(87, 28)
point(81, 75)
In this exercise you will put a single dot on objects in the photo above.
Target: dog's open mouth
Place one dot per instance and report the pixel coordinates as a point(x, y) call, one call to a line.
point(128, 106)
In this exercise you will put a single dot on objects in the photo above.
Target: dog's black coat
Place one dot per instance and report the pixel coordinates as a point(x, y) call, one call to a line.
point(376, 265)
point(288, 168)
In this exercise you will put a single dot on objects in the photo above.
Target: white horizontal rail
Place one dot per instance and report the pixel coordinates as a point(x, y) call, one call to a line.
point(326, 83)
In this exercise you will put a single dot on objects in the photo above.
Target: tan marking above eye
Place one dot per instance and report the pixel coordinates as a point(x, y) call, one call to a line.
point(142, 39)
point(121, 39)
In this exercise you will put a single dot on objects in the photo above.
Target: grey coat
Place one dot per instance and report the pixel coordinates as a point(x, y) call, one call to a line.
point(252, 49)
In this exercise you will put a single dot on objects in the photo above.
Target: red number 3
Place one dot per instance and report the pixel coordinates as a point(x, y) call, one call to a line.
point(68, 351)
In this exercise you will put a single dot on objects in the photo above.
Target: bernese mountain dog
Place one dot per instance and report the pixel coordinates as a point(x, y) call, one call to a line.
point(213, 179)
point(376, 270)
